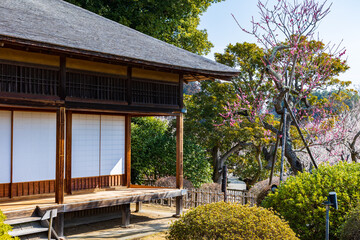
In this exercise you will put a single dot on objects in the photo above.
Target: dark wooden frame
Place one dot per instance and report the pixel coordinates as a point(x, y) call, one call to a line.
point(60, 155)
point(65, 107)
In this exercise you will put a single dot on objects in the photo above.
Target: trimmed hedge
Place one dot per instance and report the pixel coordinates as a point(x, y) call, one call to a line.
point(350, 230)
point(230, 221)
point(4, 228)
point(300, 199)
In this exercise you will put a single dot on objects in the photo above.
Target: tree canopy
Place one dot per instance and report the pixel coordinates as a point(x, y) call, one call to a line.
point(172, 21)
point(278, 97)
point(153, 152)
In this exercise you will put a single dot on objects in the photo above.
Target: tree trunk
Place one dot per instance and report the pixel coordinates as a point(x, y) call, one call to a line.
point(216, 165)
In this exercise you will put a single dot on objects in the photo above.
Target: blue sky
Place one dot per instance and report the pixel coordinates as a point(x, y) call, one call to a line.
point(341, 24)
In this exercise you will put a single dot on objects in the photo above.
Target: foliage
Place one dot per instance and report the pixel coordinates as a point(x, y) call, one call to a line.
point(154, 152)
point(300, 199)
point(203, 112)
point(351, 228)
point(211, 187)
point(283, 75)
point(222, 142)
point(4, 228)
point(240, 145)
point(172, 21)
point(170, 182)
point(230, 221)
point(339, 139)
point(191, 88)
point(261, 189)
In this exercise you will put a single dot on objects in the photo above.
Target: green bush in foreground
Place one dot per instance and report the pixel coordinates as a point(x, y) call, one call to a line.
point(4, 228)
point(230, 221)
point(351, 228)
point(300, 199)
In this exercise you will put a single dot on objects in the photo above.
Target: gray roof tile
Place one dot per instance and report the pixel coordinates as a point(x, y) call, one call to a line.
point(60, 23)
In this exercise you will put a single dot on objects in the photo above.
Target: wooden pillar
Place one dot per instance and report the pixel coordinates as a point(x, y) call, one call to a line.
point(68, 152)
point(181, 91)
point(11, 192)
point(127, 150)
point(62, 78)
point(60, 132)
point(138, 207)
point(129, 86)
point(179, 161)
point(125, 215)
point(59, 224)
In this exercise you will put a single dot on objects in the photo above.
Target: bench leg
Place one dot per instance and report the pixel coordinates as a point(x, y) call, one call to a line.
point(138, 207)
point(125, 215)
point(179, 206)
point(59, 224)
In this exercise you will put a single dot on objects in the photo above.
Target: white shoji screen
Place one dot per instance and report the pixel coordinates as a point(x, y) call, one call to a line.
point(34, 146)
point(85, 145)
point(112, 144)
point(5, 146)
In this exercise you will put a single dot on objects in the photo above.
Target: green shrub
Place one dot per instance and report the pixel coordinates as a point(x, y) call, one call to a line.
point(350, 230)
point(230, 221)
point(300, 199)
point(4, 228)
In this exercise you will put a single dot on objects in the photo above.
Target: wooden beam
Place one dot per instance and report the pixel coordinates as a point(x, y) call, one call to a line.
point(60, 163)
point(128, 150)
point(129, 86)
point(68, 152)
point(99, 203)
point(62, 78)
point(179, 150)
point(181, 91)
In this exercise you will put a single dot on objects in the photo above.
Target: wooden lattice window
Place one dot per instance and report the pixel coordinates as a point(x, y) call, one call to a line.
point(146, 92)
point(28, 79)
point(95, 86)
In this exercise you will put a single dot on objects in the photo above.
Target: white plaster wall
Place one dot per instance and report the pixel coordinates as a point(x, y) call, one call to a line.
point(112, 145)
point(85, 145)
point(34, 146)
point(5, 146)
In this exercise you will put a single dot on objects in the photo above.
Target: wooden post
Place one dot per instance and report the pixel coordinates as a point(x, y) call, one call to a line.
point(11, 192)
point(138, 207)
point(62, 78)
point(179, 161)
point(129, 85)
point(60, 131)
point(59, 224)
point(224, 182)
point(68, 152)
point(127, 150)
point(125, 215)
point(181, 91)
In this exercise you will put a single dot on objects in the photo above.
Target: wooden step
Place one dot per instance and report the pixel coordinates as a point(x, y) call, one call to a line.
point(22, 220)
point(27, 231)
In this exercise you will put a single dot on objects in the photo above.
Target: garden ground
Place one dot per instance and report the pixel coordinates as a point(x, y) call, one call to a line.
point(150, 223)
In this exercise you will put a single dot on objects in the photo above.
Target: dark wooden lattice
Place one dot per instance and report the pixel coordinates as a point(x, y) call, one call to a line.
point(28, 79)
point(95, 86)
point(146, 92)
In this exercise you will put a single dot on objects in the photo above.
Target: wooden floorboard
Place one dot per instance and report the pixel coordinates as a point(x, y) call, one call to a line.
point(82, 201)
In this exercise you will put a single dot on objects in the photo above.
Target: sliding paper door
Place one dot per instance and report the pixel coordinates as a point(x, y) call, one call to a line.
point(98, 145)
point(85, 145)
point(34, 146)
point(5, 146)
point(112, 145)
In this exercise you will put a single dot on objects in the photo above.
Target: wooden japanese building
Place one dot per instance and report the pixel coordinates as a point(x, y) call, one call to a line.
point(70, 81)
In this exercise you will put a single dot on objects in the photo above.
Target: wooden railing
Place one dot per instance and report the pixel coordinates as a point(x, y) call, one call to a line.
point(197, 197)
